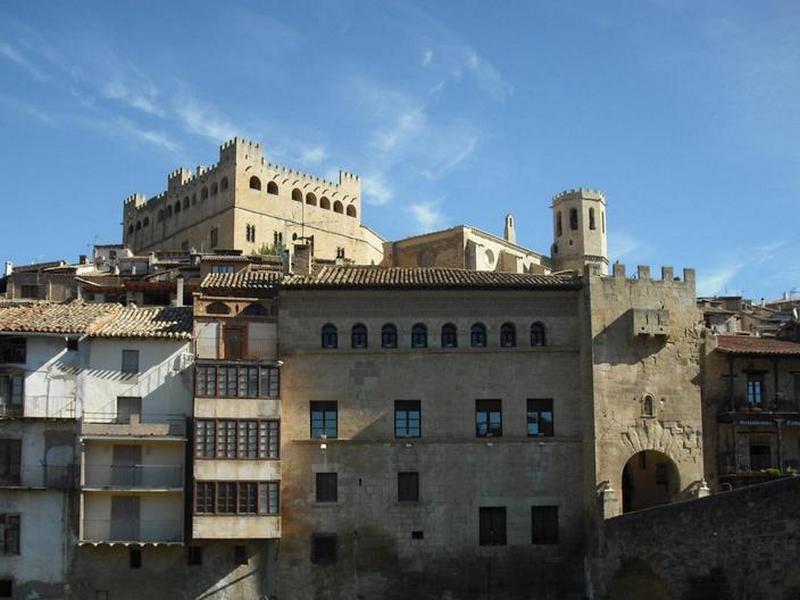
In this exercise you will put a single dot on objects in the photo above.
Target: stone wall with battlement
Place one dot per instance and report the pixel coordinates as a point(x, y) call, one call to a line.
point(251, 203)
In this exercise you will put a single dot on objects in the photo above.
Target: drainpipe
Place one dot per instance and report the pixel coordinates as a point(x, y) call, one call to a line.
point(779, 424)
point(179, 290)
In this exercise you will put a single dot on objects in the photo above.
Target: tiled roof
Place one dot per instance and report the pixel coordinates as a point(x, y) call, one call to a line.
point(339, 277)
point(244, 280)
point(148, 322)
point(48, 317)
point(744, 344)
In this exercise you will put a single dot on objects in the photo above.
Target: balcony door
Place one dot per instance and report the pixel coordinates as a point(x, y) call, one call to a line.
point(125, 465)
point(124, 518)
point(128, 407)
point(233, 339)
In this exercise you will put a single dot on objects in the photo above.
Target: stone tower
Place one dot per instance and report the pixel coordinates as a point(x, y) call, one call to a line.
point(579, 230)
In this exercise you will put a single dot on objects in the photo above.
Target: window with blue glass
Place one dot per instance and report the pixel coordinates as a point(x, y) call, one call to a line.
point(488, 418)
point(540, 417)
point(407, 419)
point(324, 419)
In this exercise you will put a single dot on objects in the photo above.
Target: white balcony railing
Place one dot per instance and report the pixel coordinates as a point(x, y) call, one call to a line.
point(134, 476)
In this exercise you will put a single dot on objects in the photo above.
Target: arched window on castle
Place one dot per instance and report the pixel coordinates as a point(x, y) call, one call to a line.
point(146, 222)
point(223, 184)
point(337, 207)
point(508, 335)
point(297, 195)
point(325, 203)
point(351, 210)
point(537, 334)
point(218, 308)
point(160, 216)
point(449, 336)
point(419, 336)
point(358, 336)
point(186, 201)
point(559, 228)
point(138, 225)
point(592, 224)
point(389, 336)
point(177, 208)
point(204, 193)
point(573, 218)
point(255, 183)
point(648, 406)
point(214, 188)
point(194, 199)
point(169, 212)
point(311, 199)
point(477, 335)
point(130, 229)
point(272, 188)
point(330, 337)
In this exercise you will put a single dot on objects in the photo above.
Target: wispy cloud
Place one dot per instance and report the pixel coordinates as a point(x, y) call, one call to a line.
point(376, 190)
point(718, 280)
point(143, 97)
point(313, 156)
point(487, 77)
point(203, 119)
point(428, 216)
point(26, 109)
point(462, 148)
point(14, 55)
point(623, 245)
point(427, 57)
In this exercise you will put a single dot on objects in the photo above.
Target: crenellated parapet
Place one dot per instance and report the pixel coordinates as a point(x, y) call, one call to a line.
point(587, 193)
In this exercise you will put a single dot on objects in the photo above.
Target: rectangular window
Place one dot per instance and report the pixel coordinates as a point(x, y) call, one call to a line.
point(324, 420)
point(226, 497)
point(195, 556)
point(268, 498)
point(12, 350)
point(229, 438)
point(540, 417)
point(492, 530)
point(573, 218)
point(130, 361)
point(488, 418)
point(760, 457)
point(12, 392)
point(327, 487)
point(222, 268)
point(237, 497)
point(323, 548)
point(408, 486)
point(135, 558)
point(9, 528)
point(226, 439)
point(240, 555)
point(544, 524)
point(213, 237)
point(755, 389)
point(234, 339)
point(407, 419)
point(205, 497)
point(237, 382)
point(128, 406)
point(248, 498)
point(10, 458)
point(29, 291)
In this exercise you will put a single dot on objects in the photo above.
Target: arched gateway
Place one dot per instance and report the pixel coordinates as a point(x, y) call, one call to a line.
point(649, 478)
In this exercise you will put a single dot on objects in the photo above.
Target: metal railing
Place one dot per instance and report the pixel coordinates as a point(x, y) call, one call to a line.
point(132, 530)
point(129, 423)
point(41, 406)
point(61, 477)
point(134, 476)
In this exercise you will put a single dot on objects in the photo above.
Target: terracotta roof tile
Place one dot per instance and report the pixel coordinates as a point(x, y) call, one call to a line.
point(244, 280)
point(147, 322)
point(48, 317)
point(425, 278)
point(743, 344)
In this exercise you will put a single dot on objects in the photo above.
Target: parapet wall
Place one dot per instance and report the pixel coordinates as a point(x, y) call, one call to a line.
point(739, 544)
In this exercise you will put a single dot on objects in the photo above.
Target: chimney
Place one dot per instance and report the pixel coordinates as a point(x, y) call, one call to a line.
point(301, 262)
point(179, 290)
point(509, 233)
point(83, 259)
point(9, 268)
point(287, 261)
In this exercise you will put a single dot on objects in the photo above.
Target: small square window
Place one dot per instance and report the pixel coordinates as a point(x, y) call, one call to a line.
point(72, 344)
point(195, 556)
point(417, 535)
point(240, 555)
point(135, 558)
point(327, 487)
point(544, 524)
point(408, 486)
point(492, 530)
point(130, 361)
point(323, 549)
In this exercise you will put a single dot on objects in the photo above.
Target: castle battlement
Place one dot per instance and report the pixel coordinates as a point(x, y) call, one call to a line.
point(643, 274)
point(135, 201)
point(584, 192)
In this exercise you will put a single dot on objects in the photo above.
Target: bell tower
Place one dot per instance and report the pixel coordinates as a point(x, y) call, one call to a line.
point(579, 230)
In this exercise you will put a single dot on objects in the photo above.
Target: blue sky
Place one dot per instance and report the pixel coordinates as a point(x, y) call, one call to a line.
point(686, 114)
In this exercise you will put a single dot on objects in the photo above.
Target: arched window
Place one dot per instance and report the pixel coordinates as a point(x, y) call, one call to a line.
point(297, 195)
point(255, 310)
point(204, 193)
point(592, 224)
point(218, 308)
point(337, 207)
point(311, 199)
point(537, 334)
point(186, 201)
point(177, 208)
point(194, 199)
point(214, 188)
point(330, 337)
point(169, 211)
point(559, 228)
point(255, 183)
point(477, 335)
point(351, 210)
point(603, 220)
point(389, 336)
point(508, 335)
point(160, 216)
point(272, 188)
point(648, 406)
point(449, 336)
point(130, 229)
point(138, 225)
point(358, 336)
point(325, 203)
point(419, 336)
point(146, 222)
point(573, 218)
point(223, 184)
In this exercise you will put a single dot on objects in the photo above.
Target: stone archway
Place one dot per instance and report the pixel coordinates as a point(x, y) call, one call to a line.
point(649, 478)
